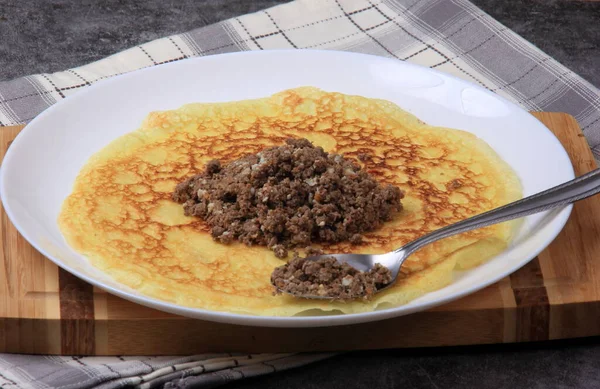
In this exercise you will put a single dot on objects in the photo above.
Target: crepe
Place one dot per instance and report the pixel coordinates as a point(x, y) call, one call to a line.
point(120, 214)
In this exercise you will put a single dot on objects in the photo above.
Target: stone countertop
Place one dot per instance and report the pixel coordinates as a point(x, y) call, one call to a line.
point(570, 364)
point(57, 34)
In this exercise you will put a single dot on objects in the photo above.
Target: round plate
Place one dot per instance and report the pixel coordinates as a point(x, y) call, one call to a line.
point(41, 165)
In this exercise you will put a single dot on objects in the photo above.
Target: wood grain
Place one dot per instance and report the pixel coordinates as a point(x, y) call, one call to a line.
point(556, 295)
point(77, 330)
point(29, 302)
point(531, 299)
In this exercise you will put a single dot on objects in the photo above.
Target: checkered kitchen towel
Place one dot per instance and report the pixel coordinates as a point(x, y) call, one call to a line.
point(197, 371)
point(453, 36)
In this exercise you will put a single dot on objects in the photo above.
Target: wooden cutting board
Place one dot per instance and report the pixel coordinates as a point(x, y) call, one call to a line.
point(44, 309)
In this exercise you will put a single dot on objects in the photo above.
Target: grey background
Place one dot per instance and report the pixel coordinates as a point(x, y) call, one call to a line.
point(48, 36)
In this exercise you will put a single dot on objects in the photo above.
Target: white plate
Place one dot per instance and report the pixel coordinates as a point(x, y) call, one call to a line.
point(42, 163)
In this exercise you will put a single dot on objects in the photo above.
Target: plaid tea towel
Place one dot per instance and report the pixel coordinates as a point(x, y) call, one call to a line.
point(453, 36)
point(197, 371)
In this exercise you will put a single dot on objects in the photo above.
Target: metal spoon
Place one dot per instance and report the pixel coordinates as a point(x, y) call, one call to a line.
point(569, 192)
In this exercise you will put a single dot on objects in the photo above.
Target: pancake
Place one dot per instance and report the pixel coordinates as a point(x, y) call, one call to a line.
point(121, 216)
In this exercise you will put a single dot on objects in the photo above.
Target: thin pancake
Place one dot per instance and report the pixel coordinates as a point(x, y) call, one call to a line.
point(120, 214)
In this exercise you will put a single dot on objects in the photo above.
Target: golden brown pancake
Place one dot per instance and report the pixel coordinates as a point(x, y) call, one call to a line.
point(121, 216)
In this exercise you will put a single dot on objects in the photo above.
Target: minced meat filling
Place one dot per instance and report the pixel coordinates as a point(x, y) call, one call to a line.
point(326, 277)
point(288, 196)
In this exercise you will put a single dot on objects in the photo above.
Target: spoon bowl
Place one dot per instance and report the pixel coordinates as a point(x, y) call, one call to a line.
point(569, 192)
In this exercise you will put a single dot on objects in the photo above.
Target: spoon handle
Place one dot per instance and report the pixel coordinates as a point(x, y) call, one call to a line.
point(569, 192)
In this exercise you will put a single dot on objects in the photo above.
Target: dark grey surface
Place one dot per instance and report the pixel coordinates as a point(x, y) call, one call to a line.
point(572, 364)
point(47, 36)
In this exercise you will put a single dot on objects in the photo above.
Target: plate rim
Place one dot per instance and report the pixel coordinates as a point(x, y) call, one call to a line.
point(272, 321)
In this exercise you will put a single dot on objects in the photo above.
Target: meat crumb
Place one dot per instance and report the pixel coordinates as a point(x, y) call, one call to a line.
point(326, 277)
point(455, 184)
point(288, 196)
point(363, 157)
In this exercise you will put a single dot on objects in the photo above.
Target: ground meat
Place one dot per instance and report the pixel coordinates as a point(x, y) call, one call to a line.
point(455, 184)
point(363, 157)
point(288, 196)
point(310, 251)
point(326, 277)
